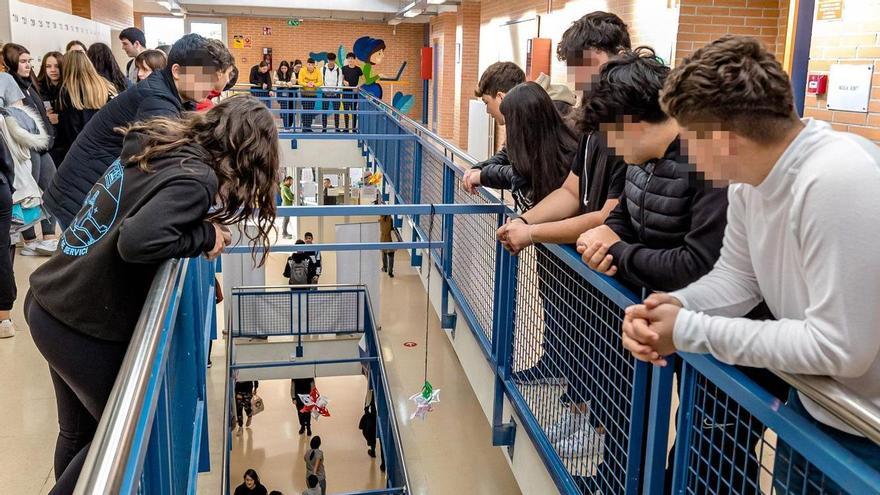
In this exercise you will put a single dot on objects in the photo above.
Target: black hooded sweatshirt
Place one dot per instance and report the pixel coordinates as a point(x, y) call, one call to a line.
point(131, 221)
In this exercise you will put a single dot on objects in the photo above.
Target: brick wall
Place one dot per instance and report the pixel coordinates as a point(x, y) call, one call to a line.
point(702, 21)
point(855, 40)
point(288, 43)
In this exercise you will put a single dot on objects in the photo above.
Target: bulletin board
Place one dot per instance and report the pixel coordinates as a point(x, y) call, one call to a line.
point(43, 30)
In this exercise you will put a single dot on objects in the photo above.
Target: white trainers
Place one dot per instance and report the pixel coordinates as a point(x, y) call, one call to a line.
point(587, 442)
point(30, 249)
point(7, 329)
point(47, 247)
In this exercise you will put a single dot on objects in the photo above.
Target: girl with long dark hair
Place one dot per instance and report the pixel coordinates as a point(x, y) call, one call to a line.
point(185, 180)
point(314, 458)
point(539, 143)
point(18, 62)
point(49, 78)
point(105, 63)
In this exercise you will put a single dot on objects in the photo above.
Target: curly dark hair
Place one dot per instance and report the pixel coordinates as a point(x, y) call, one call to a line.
point(629, 85)
point(244, 156)
point(734, 81)
point(499, 77)
point(193, 50)
point(598, 31)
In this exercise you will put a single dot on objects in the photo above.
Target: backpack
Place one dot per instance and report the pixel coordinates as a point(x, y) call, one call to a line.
point(299, 272)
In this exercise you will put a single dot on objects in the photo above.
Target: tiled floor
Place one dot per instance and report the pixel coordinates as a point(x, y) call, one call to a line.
point(450, 453)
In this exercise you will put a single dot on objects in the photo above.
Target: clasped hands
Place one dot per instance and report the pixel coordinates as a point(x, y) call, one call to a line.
point(648, 328)
point(593, 246)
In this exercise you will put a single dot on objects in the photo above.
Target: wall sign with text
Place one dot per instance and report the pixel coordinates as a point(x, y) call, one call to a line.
point(829, 10)
point(849, 87)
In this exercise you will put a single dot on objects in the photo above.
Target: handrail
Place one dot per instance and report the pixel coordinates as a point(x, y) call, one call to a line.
point(832, 396)
point(860, 414)
point(111, 449)
point(398, 444)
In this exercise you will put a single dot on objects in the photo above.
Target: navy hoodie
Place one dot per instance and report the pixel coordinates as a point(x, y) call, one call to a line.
point(97, 281)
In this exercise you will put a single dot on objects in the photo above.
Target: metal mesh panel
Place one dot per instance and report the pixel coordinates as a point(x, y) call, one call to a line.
point(262, 314)
point(473, 260)
point(570, 366)
point(432, 191)
point(729, 452)
point(407, 165)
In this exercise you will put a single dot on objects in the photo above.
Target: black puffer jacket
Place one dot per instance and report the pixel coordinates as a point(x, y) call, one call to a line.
point(98, 145)
point(670, 223)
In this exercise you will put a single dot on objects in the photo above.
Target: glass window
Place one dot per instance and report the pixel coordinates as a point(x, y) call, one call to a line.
point(162, 30)
point(210, 30)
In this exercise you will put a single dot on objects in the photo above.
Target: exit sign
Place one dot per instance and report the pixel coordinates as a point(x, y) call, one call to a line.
point(294, 22)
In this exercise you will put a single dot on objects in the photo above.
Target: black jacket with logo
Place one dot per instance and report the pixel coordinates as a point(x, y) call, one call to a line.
point(99, 144)
point(97, 281)
point(670, 222)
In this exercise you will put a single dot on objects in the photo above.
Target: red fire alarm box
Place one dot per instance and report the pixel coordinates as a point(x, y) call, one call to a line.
point(817, 84)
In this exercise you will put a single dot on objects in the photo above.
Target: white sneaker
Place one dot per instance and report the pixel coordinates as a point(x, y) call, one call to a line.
point(47, 247)
point(7, 329)
point(587, 442)
point(30, 249)
point(570, 422)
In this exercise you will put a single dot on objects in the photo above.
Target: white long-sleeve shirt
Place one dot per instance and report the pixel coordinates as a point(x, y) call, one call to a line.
point(807, 242)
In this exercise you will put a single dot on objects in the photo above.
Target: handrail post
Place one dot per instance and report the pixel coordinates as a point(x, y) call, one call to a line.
point(415, 257)
point(447, 318)
point(502, 340)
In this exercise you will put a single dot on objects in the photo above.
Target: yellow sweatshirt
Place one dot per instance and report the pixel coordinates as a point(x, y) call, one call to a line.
point(306, 77)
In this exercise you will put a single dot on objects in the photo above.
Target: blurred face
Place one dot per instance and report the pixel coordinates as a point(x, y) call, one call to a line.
point(53, 69)
point(636, 142)
point(196, 83)
point(264, 69)
point(350, 61)
point(493, 106)
point(249, 482)
point(288, 182)
point(582, 68)
point(713, 151)
point(326, 182)
point(143, 72)
point(24, 65)
point(310, 66)
point(297, 67)
point(331, 63)
point(284, 69)
point(308, 239)
point(131, 49)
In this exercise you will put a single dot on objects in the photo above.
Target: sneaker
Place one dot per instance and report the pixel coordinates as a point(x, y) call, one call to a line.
point(539, 374)
point(30, 249)
point(371, 453)
point(248, 423)
point(7, 329)
point(308, 430)
point(47, 247)
point(302, 429)
point(587, 442)
point(567, 425)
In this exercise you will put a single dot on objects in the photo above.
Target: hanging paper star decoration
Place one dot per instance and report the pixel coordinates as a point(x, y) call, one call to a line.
point(314, 403)
point(374, 179)
point(424, 401)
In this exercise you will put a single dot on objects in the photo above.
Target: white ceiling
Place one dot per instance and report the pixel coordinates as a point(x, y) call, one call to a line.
point(383, 6)
point(360, 10)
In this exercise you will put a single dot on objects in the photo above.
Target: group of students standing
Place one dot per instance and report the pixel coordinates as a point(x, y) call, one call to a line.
point(336, 86)
point(700, 186)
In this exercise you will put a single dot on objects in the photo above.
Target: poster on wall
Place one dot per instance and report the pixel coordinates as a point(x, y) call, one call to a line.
point(267, 31)
point(849, 87)
point(238, 41)
point(829, 10)
point(44, 30)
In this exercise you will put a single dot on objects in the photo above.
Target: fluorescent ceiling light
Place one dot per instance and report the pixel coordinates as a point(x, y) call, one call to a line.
point(414, 12)
point(395, 21)
point(436, 2)
point(164, 3)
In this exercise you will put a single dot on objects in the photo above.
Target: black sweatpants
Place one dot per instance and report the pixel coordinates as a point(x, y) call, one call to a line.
point(8, 291)
point(83, 371)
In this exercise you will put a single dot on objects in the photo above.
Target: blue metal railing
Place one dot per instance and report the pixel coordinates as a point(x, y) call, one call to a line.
point(343, 309)
point(152, 438)
point(561, 352)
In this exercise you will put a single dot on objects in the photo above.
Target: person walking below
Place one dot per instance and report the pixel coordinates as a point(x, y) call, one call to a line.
point(386, 226)
point(332, 76)
point(244, 396)
point(314, 458)
point(300, 268)
point(286, 200)
point(302, 386)
point(251, 485)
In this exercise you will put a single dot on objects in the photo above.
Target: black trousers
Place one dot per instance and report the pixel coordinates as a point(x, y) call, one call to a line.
point(83, 371)
point(349, 106)
point(331, 100)
point(8, 290)
point(388, 262)
point(308, 103)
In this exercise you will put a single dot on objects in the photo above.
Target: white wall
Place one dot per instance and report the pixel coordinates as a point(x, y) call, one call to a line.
point(43, 30)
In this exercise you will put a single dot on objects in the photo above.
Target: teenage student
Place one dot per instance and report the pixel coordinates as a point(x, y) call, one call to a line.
point(789, 240)
point(332, 80)
point(310, 80)
point(134, 42)
point(351, 76)
point(196, 66)
point(176, 186)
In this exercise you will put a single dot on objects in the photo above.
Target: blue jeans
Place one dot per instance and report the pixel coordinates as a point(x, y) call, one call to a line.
point(790, 466)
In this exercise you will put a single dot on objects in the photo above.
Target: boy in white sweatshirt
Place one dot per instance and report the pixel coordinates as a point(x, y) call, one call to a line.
point(799, 235)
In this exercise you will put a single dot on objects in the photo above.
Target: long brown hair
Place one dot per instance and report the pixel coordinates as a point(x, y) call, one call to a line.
point(85, 87)
point(43, 78)
point(12, 52)
point(242, 139)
